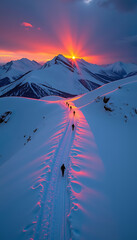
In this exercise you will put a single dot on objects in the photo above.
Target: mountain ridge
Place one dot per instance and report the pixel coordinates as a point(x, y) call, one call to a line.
point(61, 76)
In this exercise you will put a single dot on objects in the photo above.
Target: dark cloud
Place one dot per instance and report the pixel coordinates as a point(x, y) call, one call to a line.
point(72, 24)
point(123, 5)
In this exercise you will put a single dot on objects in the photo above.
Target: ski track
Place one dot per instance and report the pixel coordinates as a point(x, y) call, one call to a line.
point(52, 222)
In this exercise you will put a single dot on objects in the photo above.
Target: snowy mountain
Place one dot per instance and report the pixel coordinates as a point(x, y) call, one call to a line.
point(59, 76)
point(97, 197)
point(15, 69)
point(66, 78)
point(120, 69)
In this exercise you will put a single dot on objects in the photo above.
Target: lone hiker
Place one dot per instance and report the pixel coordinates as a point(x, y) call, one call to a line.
point(63, 169)
point(73, 127)
point(70, 107)
point(74, 113)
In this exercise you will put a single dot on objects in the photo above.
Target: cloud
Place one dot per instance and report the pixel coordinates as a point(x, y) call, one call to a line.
point(122, 5)
point(27, 25)
point(87, 1)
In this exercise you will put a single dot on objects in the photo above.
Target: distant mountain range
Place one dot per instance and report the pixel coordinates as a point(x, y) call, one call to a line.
point(61, 77)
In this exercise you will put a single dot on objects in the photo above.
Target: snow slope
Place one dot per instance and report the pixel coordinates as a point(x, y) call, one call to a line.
point(32, 172)
point(15, 69)
point(112, 206)
point(97, 197)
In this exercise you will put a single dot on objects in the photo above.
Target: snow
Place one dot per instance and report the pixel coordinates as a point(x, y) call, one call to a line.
point(114, 211)
point(65, 75)
point(28, 163)
point(60, 76)
point(51, 98)
point(101, 91)
point(120, 67)
point(16, 69)
point(97, 197)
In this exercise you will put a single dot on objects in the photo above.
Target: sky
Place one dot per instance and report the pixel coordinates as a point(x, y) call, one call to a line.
point(100, 31)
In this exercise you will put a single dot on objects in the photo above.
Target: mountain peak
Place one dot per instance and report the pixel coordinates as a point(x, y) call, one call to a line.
point(26, 61)
point(60, 56)
point(23, 59)
point(15, 69)
point(60, 59)
point(120, 68)
point(7, 66)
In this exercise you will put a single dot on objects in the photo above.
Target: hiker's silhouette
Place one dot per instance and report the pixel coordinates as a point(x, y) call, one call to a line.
point(70, 107)
point(73, 127)
point(74, 113)
point(63, 169)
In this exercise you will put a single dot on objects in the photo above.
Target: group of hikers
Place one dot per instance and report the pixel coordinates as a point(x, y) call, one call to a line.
point(73, 126)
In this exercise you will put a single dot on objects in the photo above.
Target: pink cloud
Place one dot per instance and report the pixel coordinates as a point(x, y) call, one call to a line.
point(25, 24)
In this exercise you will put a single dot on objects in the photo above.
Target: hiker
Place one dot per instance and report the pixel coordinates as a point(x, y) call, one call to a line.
point(70, 107)
point(63, 169)
point(73, 127)
point(74, 113)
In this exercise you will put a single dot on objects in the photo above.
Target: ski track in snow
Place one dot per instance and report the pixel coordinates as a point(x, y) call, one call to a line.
point(52, 222)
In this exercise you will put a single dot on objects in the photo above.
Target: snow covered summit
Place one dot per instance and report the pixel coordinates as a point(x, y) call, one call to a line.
point(61, 77)
point(121, 69)
point(15, 69)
